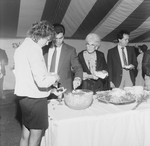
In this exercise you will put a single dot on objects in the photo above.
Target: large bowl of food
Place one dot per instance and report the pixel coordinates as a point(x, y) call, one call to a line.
point(79, 99)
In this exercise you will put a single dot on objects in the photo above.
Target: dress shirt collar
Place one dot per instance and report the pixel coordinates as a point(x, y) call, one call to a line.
point(57, 47)
point(120, 47)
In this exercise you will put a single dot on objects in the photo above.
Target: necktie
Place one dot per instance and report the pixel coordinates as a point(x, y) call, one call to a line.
point(124, 56)
point(52, 69)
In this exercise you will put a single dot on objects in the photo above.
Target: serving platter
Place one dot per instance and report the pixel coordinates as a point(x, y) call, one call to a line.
point(102, 100)
point(123, 103)
point(106, 97)
point(116, 103)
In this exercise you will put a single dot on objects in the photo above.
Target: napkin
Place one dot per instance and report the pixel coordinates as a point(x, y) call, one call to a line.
point(101, 74)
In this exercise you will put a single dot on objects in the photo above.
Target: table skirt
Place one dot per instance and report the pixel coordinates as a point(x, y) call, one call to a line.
point(129, 128)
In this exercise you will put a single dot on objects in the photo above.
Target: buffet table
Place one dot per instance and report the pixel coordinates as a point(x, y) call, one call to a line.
point(99, 125)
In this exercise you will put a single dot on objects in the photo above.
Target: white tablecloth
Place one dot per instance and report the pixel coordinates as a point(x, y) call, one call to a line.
point(99, 125)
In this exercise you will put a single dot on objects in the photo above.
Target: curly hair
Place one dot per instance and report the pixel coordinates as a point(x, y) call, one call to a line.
point(93, 37)
point(40, 29)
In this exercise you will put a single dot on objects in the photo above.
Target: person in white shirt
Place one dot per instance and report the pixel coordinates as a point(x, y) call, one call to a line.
point(33, 82)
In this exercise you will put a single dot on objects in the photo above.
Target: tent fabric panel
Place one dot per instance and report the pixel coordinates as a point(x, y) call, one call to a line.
point(30, 12)
point(9, 15)
point(95, 15)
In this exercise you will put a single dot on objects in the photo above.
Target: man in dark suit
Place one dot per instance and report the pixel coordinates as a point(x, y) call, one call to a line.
point(66, 60)
point(146, 69)
point(3, 63)
point(122, 63)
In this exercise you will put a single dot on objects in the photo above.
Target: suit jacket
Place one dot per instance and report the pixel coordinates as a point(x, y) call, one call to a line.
point(68, 60)
point(100, 84)
point(146, 63)
point(3, 60)
point(115, 67)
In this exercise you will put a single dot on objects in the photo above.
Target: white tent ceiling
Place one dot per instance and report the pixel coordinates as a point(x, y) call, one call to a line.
point(80, 17)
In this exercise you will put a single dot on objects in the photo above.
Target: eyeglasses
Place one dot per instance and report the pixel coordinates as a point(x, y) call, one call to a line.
point(91, 45)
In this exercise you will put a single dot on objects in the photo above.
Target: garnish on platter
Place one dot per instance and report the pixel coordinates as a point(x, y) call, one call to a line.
point(142, 97)
point(116, 96)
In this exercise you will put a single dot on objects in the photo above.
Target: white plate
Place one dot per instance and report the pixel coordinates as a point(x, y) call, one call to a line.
point(101, 74)
point(57, 93)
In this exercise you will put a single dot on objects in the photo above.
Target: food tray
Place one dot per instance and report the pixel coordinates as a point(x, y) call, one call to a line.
point(106, 98)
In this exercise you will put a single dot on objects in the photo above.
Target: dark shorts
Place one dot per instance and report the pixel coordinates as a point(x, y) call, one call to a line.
point(34, 112)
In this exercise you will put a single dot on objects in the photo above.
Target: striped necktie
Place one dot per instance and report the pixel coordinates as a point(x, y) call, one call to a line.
point(124, 56)
point(52, 69)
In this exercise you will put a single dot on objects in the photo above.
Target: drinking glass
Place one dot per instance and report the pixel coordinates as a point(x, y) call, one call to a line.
point(60, 99)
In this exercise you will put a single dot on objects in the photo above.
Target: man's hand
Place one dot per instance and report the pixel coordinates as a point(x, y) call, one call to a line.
point(129, 67)
point(76, 82)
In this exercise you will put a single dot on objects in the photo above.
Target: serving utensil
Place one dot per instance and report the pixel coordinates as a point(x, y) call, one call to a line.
point(137, 105)
point(142, 98)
